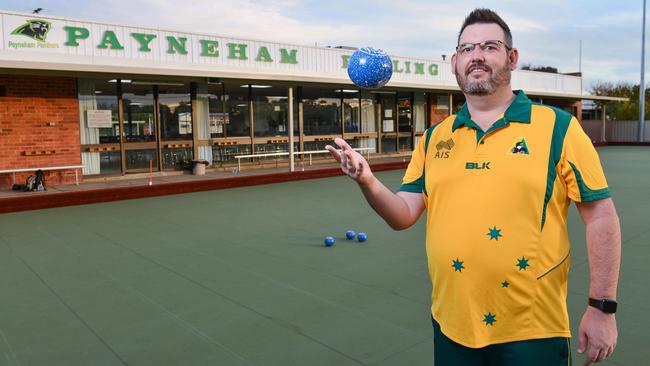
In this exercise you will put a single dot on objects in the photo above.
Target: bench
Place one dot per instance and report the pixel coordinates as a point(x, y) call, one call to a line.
point(310, 153)
point(22, 170)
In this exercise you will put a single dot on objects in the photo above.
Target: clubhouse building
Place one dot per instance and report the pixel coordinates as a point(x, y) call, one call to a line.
point(112, 99)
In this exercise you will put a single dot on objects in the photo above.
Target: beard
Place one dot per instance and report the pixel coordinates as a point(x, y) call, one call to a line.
point(496, 79)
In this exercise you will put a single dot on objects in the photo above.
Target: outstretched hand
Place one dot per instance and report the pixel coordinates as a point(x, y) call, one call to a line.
point(352, 163)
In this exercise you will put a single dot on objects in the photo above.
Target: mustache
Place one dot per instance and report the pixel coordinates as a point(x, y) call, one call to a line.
point(480, 66)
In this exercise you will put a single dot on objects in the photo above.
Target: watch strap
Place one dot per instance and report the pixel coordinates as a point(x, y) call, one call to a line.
point(604, 305)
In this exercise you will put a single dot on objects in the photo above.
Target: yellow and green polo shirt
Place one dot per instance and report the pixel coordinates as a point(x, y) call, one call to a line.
point(496, 234)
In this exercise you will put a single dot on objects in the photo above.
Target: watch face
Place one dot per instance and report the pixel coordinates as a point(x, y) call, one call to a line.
point(609, 306)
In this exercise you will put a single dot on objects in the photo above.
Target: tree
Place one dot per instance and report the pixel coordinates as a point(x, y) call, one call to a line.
point(530, 67)
point(628, 110)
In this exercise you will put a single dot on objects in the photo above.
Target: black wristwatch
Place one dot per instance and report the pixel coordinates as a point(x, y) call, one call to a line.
point(604, 305)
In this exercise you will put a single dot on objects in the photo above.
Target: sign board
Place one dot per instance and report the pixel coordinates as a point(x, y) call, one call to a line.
point(99, 118)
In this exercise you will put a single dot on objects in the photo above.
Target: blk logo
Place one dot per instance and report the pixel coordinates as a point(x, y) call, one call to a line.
point(477, 166)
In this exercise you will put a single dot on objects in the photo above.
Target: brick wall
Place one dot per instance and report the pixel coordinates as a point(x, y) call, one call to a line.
point(38, 113)
point(436, 113)
point(578, 106)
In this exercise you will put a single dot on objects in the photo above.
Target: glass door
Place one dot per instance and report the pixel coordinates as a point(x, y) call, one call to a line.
point(405, 121)
point(175, 111)
point(140, 127)
point(388, 116)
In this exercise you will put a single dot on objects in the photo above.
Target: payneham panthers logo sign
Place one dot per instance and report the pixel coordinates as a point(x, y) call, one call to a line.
point(34, 29)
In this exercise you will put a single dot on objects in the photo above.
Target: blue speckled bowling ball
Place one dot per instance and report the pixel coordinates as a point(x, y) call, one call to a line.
point(370, 68)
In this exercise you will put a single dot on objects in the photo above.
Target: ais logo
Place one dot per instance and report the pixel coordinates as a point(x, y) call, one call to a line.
point(34, 29)
point(444, 145)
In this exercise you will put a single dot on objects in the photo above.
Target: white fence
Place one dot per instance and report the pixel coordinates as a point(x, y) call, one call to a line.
point(615, 131)
point(546, 83)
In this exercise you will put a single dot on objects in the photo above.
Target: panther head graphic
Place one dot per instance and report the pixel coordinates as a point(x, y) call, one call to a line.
point(35, 29)
point(519, 148)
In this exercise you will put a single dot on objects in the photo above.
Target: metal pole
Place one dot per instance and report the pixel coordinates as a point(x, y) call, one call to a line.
point(603, 136)
point(291, 160)
point(642, 84)
point(580, 66)
point(580, 58)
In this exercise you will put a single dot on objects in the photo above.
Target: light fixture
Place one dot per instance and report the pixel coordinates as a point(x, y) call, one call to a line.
point(98, 91)
point(124, 81)
point(257, 86)
point(147, 82)
point(346, 91)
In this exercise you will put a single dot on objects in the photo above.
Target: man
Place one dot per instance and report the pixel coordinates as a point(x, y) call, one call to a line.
point(496, 181)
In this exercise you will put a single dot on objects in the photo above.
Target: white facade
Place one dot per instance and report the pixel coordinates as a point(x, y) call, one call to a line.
point(75, 45)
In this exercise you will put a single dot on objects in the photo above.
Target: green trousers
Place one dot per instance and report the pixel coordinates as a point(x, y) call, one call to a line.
point(534, 352)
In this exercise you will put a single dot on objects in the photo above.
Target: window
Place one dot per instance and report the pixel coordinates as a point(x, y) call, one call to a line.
point(420, 111)
point(368, 123)
point(321, 111)
point(404, 112)
point(138, 110)
point(175, 112)
point(351, 111)
point(270, 111)
point(99, 94)
point(236, 114)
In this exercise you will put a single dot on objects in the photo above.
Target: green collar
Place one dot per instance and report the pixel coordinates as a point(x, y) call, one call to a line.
point(519, 111)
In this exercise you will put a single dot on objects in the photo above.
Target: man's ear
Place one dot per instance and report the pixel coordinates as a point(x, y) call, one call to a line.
point(513, 57)
point(453, 63)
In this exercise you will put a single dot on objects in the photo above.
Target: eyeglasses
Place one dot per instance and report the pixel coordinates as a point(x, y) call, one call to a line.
point(489, 46)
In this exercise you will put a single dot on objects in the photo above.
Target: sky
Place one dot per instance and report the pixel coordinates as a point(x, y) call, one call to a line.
point(547, 33)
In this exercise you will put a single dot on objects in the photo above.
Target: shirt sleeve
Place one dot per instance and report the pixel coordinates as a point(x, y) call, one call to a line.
point(413, 180)
point(580, 167)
